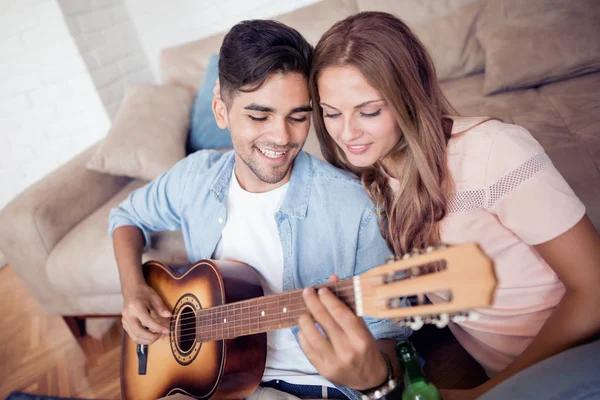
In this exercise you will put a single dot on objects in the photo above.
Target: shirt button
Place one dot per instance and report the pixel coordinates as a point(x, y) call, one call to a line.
point(220, 220)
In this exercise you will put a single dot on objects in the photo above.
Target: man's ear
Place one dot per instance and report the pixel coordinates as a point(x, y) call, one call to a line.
point(220, 111)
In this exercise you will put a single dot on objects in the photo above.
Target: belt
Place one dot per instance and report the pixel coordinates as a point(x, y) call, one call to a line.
point(305, 391)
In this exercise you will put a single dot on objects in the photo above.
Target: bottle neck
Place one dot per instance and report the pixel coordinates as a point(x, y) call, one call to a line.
point(412, 370)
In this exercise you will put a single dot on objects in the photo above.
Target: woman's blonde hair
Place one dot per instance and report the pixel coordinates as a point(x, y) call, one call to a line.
point(395, 63)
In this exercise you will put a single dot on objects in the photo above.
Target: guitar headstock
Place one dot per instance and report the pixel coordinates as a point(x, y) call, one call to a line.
point(455, 279)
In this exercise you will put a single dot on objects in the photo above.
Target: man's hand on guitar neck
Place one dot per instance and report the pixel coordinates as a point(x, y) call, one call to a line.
point(139, 302)
point(349, 355)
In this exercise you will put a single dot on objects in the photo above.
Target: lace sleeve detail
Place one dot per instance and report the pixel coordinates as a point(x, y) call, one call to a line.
point(490, 196)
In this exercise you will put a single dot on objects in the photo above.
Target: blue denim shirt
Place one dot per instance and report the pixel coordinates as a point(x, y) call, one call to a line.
point(327, 224)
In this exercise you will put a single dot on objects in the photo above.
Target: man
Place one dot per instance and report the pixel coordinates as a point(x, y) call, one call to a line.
point(295, 219)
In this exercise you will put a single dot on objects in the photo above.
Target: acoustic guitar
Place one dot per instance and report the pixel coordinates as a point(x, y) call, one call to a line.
point(217, 342)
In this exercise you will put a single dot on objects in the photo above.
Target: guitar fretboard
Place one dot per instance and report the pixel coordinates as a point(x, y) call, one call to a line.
point(262, 314)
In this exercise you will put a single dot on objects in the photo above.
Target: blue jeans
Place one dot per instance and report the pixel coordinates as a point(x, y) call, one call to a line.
point(571, 375)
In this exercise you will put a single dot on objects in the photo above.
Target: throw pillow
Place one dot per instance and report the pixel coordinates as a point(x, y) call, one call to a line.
point(452, 44)
point(148, 133)
point(527, 48)
point(204, 132)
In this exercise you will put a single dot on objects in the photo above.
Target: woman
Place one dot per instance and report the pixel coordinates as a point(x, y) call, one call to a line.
point(379, 112)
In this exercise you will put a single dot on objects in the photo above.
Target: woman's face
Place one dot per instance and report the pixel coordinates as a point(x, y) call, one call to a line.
point(356, 116)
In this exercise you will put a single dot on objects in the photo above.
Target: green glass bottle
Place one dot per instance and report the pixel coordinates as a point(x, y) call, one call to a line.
point(416, 387)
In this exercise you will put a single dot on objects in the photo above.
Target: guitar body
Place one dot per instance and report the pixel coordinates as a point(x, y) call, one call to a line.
point(223, 369)
point(217, 345)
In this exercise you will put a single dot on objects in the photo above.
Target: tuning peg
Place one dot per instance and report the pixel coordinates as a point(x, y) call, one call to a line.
point(417, 323)
point(465, 316)
point(472, 316)
point(458, 318)
point(392, 258)
point(429, 249)
point(406, 256)
point(442, 320)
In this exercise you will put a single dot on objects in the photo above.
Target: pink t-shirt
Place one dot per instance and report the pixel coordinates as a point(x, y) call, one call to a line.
point(508, 197)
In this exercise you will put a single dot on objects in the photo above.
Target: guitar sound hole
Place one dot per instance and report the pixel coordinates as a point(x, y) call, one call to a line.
point(187, 329)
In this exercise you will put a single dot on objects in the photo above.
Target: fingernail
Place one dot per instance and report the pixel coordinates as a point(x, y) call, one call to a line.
point(165, 332)
point(307, 291)
point(322, 290)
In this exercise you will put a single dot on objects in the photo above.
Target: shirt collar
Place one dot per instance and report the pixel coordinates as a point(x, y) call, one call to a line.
point(295, 203)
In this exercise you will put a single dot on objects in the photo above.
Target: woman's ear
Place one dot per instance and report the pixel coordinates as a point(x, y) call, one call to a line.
point(220, 111)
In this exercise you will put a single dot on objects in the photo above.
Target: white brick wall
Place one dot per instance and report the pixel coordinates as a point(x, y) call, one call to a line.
point(49, 107)
point(162, 24)
point(64, 65)
point(109, 45)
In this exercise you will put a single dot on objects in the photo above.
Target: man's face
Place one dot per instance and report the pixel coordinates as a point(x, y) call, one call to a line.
point(268, 129)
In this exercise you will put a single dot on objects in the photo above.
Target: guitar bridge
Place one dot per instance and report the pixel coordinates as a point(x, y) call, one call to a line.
point(142, 355)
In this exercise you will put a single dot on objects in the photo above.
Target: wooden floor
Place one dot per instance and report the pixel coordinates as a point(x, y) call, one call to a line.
point(38, 353)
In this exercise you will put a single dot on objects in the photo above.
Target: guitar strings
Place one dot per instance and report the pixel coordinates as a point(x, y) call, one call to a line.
point(344, 288)
point(219, 312)
point(270, 300)
point(213, 318)
point(248, 320)
point(217, 329)
point(215, 326)
point(196, 324)
point(346, 284)
point(262, 325)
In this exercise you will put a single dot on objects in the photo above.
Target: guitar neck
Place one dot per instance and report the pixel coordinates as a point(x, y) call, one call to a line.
point(262, 314)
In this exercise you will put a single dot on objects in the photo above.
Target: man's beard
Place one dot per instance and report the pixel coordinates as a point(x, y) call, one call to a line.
point(270, 175)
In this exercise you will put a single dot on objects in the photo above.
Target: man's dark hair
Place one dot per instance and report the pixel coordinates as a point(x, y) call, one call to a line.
point(253, 50)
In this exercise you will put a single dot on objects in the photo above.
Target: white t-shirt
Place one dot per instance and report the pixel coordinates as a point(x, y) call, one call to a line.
point(250, 236)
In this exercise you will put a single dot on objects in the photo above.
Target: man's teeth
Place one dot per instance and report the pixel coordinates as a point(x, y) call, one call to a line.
point(272, 154)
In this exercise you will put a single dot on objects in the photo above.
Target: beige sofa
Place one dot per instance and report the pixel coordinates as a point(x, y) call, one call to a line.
point(54, 234)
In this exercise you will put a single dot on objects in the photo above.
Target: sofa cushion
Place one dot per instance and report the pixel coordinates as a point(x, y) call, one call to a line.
point(148, 134)
point(577, 166)
point(83, 262)
point(446, 29)
point(414, 12)
point(568, 137)
point(452, 44)
point(185, 64)
point(524, 107)
point(526, 46)
point(204, 132)
point(577, 101)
